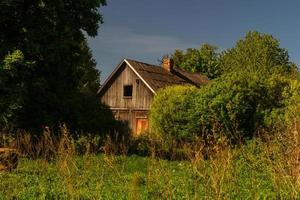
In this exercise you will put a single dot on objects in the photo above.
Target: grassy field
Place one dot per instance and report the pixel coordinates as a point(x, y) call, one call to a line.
point(248, 172)
point(262, 168)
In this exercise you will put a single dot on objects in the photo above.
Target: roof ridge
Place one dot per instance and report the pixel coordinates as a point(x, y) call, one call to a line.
point(175, 67)
point(142, 62)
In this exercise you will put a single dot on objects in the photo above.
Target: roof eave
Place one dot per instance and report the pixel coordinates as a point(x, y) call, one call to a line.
point(110, 77)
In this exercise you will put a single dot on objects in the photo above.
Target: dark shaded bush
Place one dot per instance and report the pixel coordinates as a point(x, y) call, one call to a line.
point(89, 115)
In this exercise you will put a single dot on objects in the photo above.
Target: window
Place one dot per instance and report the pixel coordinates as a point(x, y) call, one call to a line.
point(127, 91)
point(141, 125)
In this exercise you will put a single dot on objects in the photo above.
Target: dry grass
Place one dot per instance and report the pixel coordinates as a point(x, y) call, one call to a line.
point(261, 168)
point(283, 153)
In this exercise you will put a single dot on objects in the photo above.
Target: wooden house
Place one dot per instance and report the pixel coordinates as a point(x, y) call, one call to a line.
point(130, 88)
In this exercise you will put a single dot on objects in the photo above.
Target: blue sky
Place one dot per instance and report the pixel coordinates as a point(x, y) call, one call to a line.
point(147, 29)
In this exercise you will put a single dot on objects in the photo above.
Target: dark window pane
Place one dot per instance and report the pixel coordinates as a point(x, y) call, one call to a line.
point(127, 91)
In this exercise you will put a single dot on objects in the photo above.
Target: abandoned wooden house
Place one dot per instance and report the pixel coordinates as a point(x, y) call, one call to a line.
point(130, 88)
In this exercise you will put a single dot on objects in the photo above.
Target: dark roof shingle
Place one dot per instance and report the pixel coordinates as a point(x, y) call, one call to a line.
point(157, 77)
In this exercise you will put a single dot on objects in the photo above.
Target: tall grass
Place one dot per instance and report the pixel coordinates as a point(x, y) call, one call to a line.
point(283, 155)
point(55, 167)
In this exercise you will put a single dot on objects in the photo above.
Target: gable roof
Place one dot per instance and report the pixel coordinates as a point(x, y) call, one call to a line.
point(156, 77)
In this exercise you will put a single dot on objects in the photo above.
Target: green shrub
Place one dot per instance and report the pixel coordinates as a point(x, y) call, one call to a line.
point(240, 103)
point(237, 104)
point(172, 112)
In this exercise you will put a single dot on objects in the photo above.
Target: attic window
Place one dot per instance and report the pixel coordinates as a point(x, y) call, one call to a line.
point(127, 91)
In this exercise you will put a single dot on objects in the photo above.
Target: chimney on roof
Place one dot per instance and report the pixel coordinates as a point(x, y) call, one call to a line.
point(168, 64)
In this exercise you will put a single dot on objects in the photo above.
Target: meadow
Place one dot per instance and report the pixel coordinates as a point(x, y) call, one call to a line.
point(263, 168)
point(238, 137)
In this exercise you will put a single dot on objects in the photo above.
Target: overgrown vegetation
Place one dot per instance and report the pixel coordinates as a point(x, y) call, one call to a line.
point(256, 90)
point(236, 104)
point(266, 167)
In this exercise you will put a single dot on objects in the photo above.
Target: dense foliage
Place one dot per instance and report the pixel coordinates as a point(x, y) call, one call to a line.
point(172, 112)
point(239, 104)
point(206, 60)
point(291, 100)
point(259, 88)
point(47, 73)
point(257, 52)
point(14, 73)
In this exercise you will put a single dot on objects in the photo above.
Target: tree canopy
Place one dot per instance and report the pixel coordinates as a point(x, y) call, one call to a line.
point(206, 60)
point(52, 69)
point(257, 52)
point(257, 87)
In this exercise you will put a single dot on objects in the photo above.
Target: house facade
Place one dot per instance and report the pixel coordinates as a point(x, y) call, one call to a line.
point(131, 87)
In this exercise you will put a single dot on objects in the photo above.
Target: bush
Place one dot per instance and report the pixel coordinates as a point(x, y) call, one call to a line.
point(237, 105)
point(172, 112)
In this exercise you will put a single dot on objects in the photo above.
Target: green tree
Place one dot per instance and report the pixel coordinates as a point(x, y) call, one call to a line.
point(14, 73)
point(204, 60)
point(259, 87)
point(257, 52)
point(51, 35)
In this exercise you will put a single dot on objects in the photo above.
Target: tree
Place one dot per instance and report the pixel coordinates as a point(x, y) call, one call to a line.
point(14, 73)
point(257, 52)
point(204, 60)
point(258, 88)
point(51, 35)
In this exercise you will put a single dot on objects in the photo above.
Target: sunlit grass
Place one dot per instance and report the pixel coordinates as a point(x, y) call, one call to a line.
point(265, 168)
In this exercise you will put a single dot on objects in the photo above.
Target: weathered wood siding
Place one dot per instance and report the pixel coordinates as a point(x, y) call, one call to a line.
point(125, 108)
point(131, 116)
point(141, 95)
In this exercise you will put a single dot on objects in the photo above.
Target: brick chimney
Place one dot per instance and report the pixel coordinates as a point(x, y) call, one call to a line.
point(168, 64)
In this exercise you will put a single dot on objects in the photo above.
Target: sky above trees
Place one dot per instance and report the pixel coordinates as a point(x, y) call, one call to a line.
point(146, 30)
